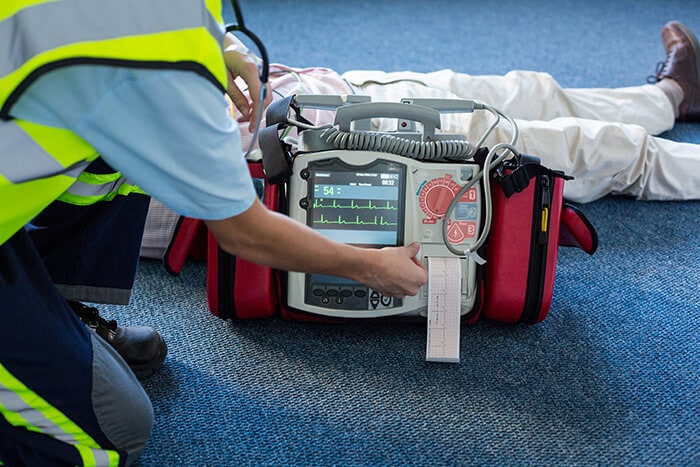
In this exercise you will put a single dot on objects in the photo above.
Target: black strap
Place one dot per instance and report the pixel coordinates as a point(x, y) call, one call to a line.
point(278, 111)
point(519, 177)
point(275, 154)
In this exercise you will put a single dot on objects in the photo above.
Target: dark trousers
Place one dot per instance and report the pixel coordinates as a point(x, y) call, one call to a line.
point(91, 252)
point(47, 354)
point(50, 361)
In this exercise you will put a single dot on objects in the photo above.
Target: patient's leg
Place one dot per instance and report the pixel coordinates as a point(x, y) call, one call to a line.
point(612, 158)
point(526, 95)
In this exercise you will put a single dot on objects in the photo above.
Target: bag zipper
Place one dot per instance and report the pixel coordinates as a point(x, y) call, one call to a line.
point(538, 250)
point(226, 275)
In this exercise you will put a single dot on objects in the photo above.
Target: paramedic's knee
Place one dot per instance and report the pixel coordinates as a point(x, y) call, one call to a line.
point(122, 407)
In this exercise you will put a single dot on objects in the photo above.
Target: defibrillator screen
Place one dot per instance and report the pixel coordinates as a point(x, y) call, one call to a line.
point(357, 205)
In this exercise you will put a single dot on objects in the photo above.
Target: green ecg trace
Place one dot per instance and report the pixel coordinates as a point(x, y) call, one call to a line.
point(318, 204)
point(357, 221)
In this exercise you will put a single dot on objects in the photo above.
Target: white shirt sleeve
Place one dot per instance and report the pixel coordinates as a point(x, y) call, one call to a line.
point(169, 132)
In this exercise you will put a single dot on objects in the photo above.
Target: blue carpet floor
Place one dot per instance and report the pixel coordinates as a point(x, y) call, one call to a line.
point(611, 377)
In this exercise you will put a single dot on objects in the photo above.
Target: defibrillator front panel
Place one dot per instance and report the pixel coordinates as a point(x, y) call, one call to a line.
point(375, 199)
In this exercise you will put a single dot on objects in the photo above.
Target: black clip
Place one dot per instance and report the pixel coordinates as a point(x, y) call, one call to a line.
point(515, 181)
point(520, 175)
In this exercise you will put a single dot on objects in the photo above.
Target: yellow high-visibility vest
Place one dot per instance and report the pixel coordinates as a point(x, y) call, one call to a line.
point(38, 163)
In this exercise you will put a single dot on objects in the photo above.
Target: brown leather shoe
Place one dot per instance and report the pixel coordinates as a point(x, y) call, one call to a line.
point(683, 66)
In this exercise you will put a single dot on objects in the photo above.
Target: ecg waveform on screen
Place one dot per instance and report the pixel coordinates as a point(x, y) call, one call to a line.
point(321, 203)
point(376, 220)
point(341, 212)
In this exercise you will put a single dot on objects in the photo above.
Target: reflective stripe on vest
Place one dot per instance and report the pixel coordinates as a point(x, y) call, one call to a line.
point(92, 188)
point(175, 34)
point(29, 151)
point(50, 158)
point(23, 159)
point(23, 408)
point(21, 169)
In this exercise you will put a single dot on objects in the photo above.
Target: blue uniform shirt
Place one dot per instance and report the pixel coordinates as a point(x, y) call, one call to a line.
point(169, 132)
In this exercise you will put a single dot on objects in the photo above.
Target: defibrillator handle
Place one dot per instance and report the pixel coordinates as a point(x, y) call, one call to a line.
point(428, 117)
point(444, 105)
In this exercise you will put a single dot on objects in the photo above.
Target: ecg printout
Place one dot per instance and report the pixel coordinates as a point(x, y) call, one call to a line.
point(444, 320)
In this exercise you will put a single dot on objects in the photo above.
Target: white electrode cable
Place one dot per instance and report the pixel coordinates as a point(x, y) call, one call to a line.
point(489, 164)
point(485, 174)
point(256, 154)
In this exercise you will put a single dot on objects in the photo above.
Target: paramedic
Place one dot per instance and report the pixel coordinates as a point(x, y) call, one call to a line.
point(144, 90)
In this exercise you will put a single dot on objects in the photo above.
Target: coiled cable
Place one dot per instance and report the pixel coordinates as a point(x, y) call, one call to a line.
point(398, 145)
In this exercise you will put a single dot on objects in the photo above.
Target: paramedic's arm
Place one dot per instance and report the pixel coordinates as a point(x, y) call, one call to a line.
point(269, 238)
point(240, 62)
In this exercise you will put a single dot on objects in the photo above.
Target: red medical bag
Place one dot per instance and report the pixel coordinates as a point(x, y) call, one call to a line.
point(527, 228)
point(530, 220)
point(236, 288)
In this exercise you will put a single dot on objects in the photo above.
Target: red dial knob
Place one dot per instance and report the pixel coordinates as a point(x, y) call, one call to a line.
point(436, 195)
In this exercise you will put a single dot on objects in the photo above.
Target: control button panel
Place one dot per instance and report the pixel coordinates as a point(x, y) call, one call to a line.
point(349, 297)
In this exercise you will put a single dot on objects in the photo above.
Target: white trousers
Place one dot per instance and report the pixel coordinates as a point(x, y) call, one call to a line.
point(602, 137)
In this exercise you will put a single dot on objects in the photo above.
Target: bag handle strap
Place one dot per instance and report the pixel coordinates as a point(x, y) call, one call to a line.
point(576, 230)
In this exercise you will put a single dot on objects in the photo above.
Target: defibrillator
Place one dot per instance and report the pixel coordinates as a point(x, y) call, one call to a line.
point(377, 189)
point(371, 199)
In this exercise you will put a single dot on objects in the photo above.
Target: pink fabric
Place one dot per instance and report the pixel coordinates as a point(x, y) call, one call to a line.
point(285, 81)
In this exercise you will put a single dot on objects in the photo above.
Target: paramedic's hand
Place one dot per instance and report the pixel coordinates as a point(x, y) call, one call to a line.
point(241, 63)
point(397, 271)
